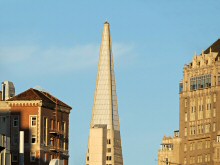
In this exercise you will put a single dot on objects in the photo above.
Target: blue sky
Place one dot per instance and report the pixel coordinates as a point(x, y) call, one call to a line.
point(55, 44)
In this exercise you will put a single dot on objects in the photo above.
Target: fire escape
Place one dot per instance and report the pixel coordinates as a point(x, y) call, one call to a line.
point(56, 134)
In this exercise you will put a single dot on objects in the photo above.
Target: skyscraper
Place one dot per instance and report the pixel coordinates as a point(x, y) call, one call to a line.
point(104, 146)
point(200, 108)
point(199, 135)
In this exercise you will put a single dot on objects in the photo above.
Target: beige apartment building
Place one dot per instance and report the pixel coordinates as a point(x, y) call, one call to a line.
point(200, 109)
point(104, 146)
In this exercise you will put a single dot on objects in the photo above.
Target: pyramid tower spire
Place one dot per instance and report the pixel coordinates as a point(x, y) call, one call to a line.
point(105, 127)
point(105, 109)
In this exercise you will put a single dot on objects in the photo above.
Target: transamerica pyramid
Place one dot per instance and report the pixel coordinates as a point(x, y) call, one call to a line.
point(104, 146)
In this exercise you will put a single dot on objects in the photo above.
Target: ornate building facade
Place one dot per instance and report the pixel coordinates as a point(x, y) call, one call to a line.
point(200, 109)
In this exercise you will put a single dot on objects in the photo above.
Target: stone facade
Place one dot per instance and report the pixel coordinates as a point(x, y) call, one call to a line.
point(169, 152)
point(200, 109)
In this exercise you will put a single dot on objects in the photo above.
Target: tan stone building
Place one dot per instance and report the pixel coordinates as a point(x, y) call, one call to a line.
point(45, 122)
point(169, 152)
point(200, 109)
point(104, 146)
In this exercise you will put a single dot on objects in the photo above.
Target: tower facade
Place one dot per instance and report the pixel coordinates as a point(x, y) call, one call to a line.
point(104, 146)
point(199, 134)
point(200, 109)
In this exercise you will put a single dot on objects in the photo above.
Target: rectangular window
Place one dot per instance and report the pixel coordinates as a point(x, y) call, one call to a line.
point(45, 131)
point(199, 129)
point(200, 159)
point(218, 80)
point(185, 131)
point(207, 128)
point(32, 156)
point(14, 157)
point(208, 157)
point(207, 144)
point(199, 145)
point(185, 116)
point(15, 138)
point(200, 82)
point(213, 127)
point(185, 162)
point(214, 98)
point(180, 87)
point(185, 103)
point(33, 121)
point(15, 121)
point(64, 145)
point(58, 126)
point(63, 127)
point(33, 139)
point(51, 124)
point(214, 112)
point(45, 157)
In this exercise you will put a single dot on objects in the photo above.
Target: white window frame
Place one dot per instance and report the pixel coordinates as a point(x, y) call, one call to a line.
point(31, 121)
point(45, 141)
point(32, 155)
point(35, 138)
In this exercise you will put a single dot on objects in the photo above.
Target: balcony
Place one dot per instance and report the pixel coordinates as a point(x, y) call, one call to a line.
point(54, 149)
point(56, 132)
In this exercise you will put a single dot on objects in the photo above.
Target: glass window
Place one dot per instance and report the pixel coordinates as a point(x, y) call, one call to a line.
point(15, 138)
point(45, 130)
point(14, 157)
point(218, 138)
point(33, 121)
point(32, 156)
point(33, 139)
point(15, 121)
point(45, 157)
